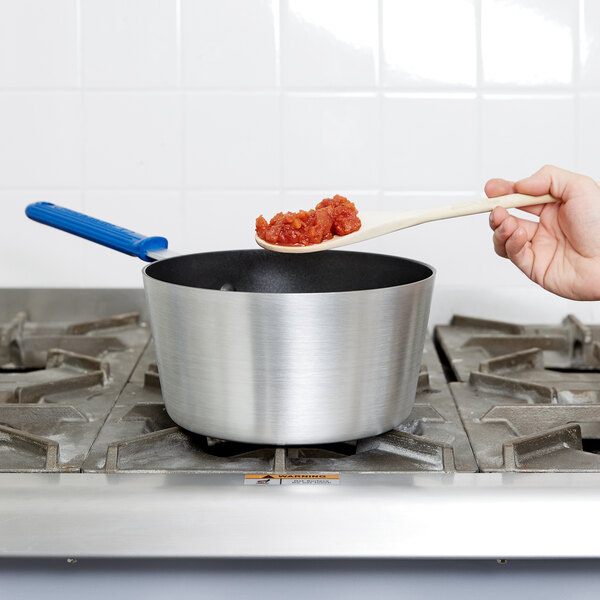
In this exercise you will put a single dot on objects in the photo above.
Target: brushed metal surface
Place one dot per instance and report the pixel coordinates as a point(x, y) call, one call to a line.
point(288, 368)
point(462, 515)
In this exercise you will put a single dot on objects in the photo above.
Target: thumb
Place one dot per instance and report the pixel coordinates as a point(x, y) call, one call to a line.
point(552, 180)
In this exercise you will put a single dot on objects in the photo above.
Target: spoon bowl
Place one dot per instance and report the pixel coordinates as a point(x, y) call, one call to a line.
point(376, 223)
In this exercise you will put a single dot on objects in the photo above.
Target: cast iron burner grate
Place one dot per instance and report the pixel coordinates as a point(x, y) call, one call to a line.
point(226, 449)
point(528, 395)
point(83, 394)
point(591, 445)
point(139, 437)
point(24, 344)
point(53, 401)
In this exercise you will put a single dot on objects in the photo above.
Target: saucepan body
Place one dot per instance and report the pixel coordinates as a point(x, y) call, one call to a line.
point(275, 349)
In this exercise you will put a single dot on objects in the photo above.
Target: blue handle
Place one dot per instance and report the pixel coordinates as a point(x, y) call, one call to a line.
point(112, 236)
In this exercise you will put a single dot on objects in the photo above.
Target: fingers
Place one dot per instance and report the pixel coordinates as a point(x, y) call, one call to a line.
point(500, 216)
point(512, 240)
point(503, 230)
point(548, 180)
point(519, 252)
point(499, 187)
point(512, 237)
point(560, 183)
point(497, 217)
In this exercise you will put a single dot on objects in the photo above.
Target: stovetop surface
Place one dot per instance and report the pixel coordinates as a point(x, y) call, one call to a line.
point(80, 392)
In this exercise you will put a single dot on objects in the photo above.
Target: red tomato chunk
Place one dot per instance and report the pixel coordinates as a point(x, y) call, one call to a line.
point(332, 216)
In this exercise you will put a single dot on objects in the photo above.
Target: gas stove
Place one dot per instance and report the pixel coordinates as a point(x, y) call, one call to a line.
point(506, 419)
point(528, 395)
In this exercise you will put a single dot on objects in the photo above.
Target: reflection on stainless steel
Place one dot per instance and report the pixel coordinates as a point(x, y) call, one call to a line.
point(460, 515)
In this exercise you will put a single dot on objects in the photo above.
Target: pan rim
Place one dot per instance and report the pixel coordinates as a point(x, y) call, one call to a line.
point(430, 277)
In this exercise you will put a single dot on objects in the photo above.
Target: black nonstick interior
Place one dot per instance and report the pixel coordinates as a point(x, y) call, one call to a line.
point(272, 272)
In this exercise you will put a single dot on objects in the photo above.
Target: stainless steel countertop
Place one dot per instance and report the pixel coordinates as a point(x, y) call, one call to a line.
point(497, 515)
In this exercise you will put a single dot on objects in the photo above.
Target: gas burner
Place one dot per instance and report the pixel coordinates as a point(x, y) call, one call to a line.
point(529, 396)
point(140, 437)
point(58, 384)
point(24, 344)
point(83, 394)
point(175, 449)
point(469, 343)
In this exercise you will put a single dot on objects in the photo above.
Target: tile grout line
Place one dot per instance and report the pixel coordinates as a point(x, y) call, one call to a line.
point(178, 45)
point(479, 89)
point(577, 84)
point(82, 117)
point(540, 92)
point(82, 120)
point(380, 103)
point(182, 112)
point(277, 26)
point(450, 193)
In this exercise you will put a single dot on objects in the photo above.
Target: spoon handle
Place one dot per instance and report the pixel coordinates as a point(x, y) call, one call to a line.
point(479, 206)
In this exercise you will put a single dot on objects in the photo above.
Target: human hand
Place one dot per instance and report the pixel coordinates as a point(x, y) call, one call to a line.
point(561, 252)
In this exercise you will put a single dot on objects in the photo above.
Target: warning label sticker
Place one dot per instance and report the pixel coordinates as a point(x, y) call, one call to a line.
point(292, 479)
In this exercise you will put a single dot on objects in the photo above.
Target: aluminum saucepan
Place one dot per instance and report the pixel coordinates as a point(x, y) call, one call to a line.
point(267, 348)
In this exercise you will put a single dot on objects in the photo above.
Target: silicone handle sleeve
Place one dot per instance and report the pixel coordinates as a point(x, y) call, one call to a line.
point(94, 230)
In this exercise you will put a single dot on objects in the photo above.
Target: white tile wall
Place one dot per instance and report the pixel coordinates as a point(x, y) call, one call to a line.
point(232, 141)
point(529, 42)
point(331, 141)
point(132, 139)
point(429, 43)
point(229, 44)
point(329, 44)
point(589, 135)
point(38, 44)
point(32, 255)
point(532, 131)
point(203, 209)
point(169, 116)
point(129, 43)
point(590, 44)
point(40, 140)
point(430, 143)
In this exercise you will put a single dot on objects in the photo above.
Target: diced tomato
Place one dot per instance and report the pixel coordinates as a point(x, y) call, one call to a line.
point(332, 216)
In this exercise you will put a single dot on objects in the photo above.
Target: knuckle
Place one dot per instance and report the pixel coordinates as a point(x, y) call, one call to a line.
point(588, 180)
point(513, 246)
point(548, 168)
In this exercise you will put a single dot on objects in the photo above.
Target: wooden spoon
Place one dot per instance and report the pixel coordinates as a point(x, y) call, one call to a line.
point(376, 223)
